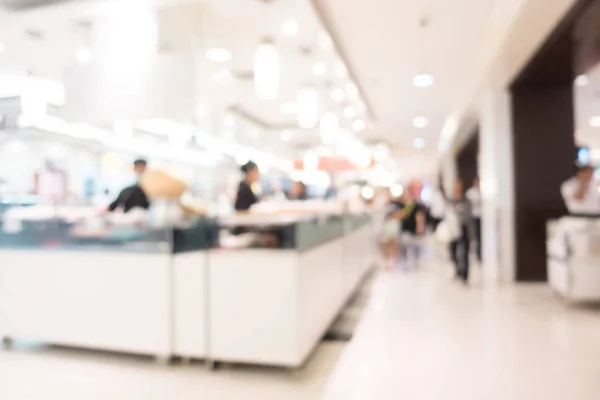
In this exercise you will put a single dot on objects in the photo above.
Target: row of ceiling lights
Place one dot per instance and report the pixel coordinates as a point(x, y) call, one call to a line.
point(421, 81)
point(266, 79)
point(267, 61)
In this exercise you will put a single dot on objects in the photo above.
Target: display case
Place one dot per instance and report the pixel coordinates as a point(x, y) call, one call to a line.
point(273, 305)
point(573, 245)
point(100, 285)
point(137, 287)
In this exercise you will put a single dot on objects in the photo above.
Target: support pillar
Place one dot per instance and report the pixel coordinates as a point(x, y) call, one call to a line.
point(497, 186)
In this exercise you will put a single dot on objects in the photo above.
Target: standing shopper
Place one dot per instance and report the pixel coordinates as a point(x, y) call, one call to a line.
point(133, 196)
point(582, 193)
point(474, 196)
point(246, 196)
point(462, 208)
point(411, 215)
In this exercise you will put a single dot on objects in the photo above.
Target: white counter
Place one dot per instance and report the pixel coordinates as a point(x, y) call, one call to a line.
point(573, 245)
point(263, 306)
point(144, 303)
point(110, 301)
point(273, 306)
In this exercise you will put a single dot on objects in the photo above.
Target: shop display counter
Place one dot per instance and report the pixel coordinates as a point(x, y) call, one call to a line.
point(573, 245)
point(102, 287)
point(273, 305)
point(175, 292)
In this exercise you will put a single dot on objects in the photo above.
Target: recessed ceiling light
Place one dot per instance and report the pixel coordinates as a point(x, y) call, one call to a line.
point(358, 125)
point(397, 190)
point(595, 121)
point(83, 55)
point(419, 143)
point(420, 122)
point(423, 80)
point(218, 54)
point(349, 112)
point(319, 69)
point(288, 108)
point(338, 94)
point(367, 192)
point(582, 80)
point(290, 28)
point(352, 89)
point(229, 121)
point(286, 135)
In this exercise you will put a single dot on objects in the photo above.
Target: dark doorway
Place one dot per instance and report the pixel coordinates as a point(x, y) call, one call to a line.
point(543, 136)
point(467, 161)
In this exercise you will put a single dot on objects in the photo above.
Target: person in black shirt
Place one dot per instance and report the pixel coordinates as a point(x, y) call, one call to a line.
point(133, 196)
point(246, 197)
point(411, 215)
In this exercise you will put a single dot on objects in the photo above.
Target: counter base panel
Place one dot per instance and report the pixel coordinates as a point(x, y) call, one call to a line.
point(272, 307)
point(253, 306)
point(189, 304)
point(575, 281)
point(108, 301)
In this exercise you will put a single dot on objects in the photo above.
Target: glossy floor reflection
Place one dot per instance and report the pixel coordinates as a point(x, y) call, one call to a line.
point(66, 374)
point(424, 337)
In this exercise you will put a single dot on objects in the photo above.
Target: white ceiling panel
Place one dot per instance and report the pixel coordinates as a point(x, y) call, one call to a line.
point(385, 44)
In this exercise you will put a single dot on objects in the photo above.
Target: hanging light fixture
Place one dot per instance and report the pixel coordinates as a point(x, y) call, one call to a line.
point(307, 107)
point(266, 70)
point(330, 128)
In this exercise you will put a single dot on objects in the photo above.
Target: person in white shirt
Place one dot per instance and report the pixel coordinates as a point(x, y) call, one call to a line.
point(474, 196)
point(581, 193)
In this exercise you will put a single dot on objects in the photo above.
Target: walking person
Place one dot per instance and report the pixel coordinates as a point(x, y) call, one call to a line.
point(436, 210)
point(463, 211)
point(411, 215)
point(474, 196)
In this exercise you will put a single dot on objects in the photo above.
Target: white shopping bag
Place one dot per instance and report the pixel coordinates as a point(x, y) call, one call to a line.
point(449, 229)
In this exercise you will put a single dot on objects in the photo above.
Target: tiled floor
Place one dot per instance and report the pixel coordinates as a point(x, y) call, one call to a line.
point(423, 337)
point(426, 338)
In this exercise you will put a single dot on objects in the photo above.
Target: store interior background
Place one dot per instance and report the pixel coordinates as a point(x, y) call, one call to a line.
point(88, 87)
point(53, 110)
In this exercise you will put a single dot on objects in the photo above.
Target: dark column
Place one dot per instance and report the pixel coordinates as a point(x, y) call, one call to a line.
point(543, 147)
point(467, 161)
point(543, 152)
point(544, 131)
